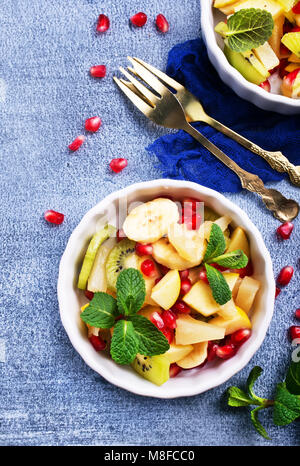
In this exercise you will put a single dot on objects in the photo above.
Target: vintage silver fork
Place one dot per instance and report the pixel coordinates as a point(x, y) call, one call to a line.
point(165, 110)
point(194, 111)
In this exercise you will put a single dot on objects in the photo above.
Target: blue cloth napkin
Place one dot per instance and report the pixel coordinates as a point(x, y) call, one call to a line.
point(181, 157)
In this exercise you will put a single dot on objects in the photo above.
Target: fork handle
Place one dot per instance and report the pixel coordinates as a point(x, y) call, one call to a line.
point(275, 159)
point(273, 200)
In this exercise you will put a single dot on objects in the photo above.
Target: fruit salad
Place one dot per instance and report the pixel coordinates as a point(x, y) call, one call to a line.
point(172, 289)
point(262, 41)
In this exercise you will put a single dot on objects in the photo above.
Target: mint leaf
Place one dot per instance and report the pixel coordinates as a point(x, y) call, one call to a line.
point(151, 340)
point(253, 376)
point(292, 380)
point(249, 28)
point(131, 291)
point(238, 397)
point(286, 406)
point(101, 311)
point(233, 260)
point(258, 426)
point(219, 287)
point(124, 343)
point(216, 244)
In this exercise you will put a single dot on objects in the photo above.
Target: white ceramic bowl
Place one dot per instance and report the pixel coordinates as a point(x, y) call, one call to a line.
point(214, 43)
point(187, 383)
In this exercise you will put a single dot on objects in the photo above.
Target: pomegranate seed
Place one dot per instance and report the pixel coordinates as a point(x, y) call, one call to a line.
point(117, 165)
point(139, 19)
point(239, 337)
point(246, 271)
point(103, 23)
point(191, 202)
point(77, 143)
point(181, 307)
point(186, 285)
point(266, 86)
point(54, 217)
point(143, 249)
point(294, 332)
point(285, 230)
point(169, 319)
point(168, 333)
point(97, 342)
point(296, 8)
point(89, 294)
point(148, 268)
point(211, 351)
point(98, 71)
point(297, 314)
point(226, 351)
point(162, 24)
point(285, 275)
point(184, 274)
point(218, 267)
point(277, 291)
point(164, 270)
point(93, 124)
point(174, 370)
point(295, 29)
point(290, 78)
point(281, 67)
point(120, 235)
point(157, 320)
point(203, 276)
point(158, 279)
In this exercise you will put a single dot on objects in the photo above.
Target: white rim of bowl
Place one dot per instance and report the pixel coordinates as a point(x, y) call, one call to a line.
point(236, 364)
point(218, 55)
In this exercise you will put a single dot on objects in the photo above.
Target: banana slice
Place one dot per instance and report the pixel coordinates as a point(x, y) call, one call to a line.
point(164, 253)
point(194, 358)
point(149, 222)
point(188, 243)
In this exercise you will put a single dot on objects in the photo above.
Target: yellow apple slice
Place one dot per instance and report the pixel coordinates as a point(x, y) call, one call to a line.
point(189, 331)
point(188, 243)
point(267, 56)
point(201, 299)
point(239, 320)
point(222, 222)
point(247, 292)
point(239, 240)
point(177, 352)
point(277, 33)
point(196, 357)
point(227, 310)
point(271, 6)
point(167, 290)
point(164, 253)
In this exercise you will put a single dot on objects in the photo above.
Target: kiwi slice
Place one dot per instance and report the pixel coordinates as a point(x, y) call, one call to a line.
point(155, 369)
point(122, 256)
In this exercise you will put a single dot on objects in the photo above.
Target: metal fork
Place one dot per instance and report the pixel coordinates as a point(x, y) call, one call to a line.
point(165, 110)
point(194, 111)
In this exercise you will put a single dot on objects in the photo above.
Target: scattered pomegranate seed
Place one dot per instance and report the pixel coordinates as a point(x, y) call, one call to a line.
point(239, 337)
point(89, 294)
point(186, 285)
point(120, 235)
point(277, 291)
point(148, 267)
point(184, 274)
point(169, 319)
point(296, 8)
point(117, 165)
point(294, 332)
point(168, 333)
point(285, 275)
point(143, 249)
point(98, 71)
point(203, 276)
point(77, 143)
point(54, 217)
point(297, 314)
point(226, 351)
point(93, 124)
point(164, 270)
point(162, 23)
point(174, 370)
point(285, 230)
point(97, 342)
point(139, 19)
point(156, 319)
point(103, 23)
point(265, 86)
point(181, 307)
point(211, 351)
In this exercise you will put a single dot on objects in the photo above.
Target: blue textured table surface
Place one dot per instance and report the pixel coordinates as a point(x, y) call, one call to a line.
point(48, 395)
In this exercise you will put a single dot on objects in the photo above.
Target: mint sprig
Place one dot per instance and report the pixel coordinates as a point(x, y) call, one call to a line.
point(232, 260)
point(216, 244)
point(249, 28)
point(132, 333)
point(286, 404)
point(219, 287)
